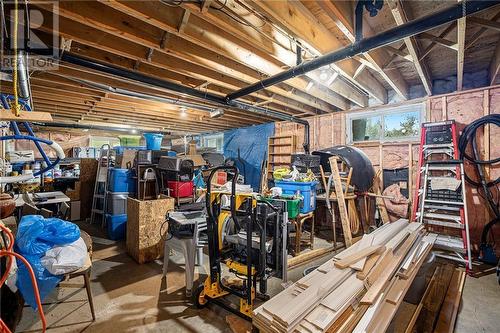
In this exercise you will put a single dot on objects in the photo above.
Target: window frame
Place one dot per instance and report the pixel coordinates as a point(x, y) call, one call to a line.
point(418, 107)
point(218, 136)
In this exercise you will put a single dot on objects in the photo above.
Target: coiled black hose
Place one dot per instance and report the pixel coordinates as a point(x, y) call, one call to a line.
point(469, 137)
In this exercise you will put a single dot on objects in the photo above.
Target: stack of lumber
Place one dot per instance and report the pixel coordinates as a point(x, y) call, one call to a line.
point(358, 290)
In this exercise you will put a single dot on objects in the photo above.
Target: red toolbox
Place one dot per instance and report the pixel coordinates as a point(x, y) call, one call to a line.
point(180, 189)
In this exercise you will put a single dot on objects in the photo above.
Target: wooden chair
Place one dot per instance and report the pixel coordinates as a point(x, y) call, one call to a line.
point(64, 211)
point(299, 223)
point(29, 209)
point(46, 213)
point(85, 271)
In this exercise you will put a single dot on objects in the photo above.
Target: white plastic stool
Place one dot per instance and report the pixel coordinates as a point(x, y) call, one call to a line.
point(187, 247)
point(191, 248)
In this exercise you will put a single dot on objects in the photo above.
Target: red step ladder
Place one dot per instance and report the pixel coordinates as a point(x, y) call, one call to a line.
point(440, 201)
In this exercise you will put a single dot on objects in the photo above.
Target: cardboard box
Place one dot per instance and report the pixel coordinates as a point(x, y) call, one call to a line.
point(20, 156)
point(74, 207)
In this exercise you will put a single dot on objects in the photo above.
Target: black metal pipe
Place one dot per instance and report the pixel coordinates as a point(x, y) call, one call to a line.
point(131, 75)
point(94, 127)
point(387, 37)
point(358, 21)
point(298, 51)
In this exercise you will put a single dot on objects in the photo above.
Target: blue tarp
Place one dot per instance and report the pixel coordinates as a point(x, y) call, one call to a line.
point(252, 143)
point(35, 236)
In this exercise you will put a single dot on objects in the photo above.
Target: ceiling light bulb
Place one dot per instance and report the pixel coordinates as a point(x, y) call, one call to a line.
point(323, 75)
point(133, 131)
point(183, 112)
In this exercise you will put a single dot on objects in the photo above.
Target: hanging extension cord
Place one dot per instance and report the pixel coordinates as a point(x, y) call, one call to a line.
point(467, 138)
point(9, 252)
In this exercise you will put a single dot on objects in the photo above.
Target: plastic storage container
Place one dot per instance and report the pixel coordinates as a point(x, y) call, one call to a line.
point(119, 180)
point(180, 189)
point(120, 149)
point(292, 206)
point(130, 140)
point(117, 203)
point(306, 189)
point(153, 140)
point(117, 226)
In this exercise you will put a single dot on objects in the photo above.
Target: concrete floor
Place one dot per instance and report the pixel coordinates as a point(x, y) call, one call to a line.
point(133, 298)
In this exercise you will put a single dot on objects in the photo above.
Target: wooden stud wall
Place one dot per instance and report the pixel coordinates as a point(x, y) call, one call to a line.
point(463, 107)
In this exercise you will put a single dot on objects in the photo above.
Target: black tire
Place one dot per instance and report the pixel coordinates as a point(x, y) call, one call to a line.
point(199, 299)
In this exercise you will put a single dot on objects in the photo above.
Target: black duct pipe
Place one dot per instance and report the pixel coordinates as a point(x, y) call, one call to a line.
point(135, 76)
point(94, 127)
point(387, 37)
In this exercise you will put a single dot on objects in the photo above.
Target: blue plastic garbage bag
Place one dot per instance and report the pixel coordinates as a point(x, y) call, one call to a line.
point(36, 235)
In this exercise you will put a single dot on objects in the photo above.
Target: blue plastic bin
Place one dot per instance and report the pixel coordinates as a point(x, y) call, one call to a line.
point(306, 189)
point(117, 226)
point(153, 140)
point(119, 180)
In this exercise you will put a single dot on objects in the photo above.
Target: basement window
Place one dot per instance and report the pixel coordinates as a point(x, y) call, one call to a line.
point(213, 141)
point(394, 124)
point(98, 141)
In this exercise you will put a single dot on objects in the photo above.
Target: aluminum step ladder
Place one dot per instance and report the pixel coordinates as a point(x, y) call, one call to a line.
point(99, 201)
point(440, 201)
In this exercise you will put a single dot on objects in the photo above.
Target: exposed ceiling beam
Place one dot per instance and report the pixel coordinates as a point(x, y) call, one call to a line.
point(490, 24)
point(399, 53)
point(218, 40)
point(495, 64)
point(293, 16)
point(411, 43)
point(184, 20)
point(205, 5)
point(434, 43)
point(438, 40)
point(461, 25)
point(481, 31)
point(256, 31)
point(341, 13)
point(176, 55)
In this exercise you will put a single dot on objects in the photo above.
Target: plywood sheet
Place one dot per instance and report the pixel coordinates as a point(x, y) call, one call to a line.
point(145, 239)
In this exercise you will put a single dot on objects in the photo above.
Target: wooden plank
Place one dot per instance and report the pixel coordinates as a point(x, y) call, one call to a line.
point(341, 13)
point(495, 65)
point(184, 21)
point(271, 35)
point(386, 312)
point(365, 242)
point(393, 262)
point(382, 209)
point(7, 115)
point(344, 217)
point(449, 309)
point(346, 262)
point(439, 40)
point(491, 24)
point(432, 303)
point(461, 25)
point(190, 44)
point(308, 256)
point(293, 16)
point(411, 44)
point(369, 264)
point(205, 5)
